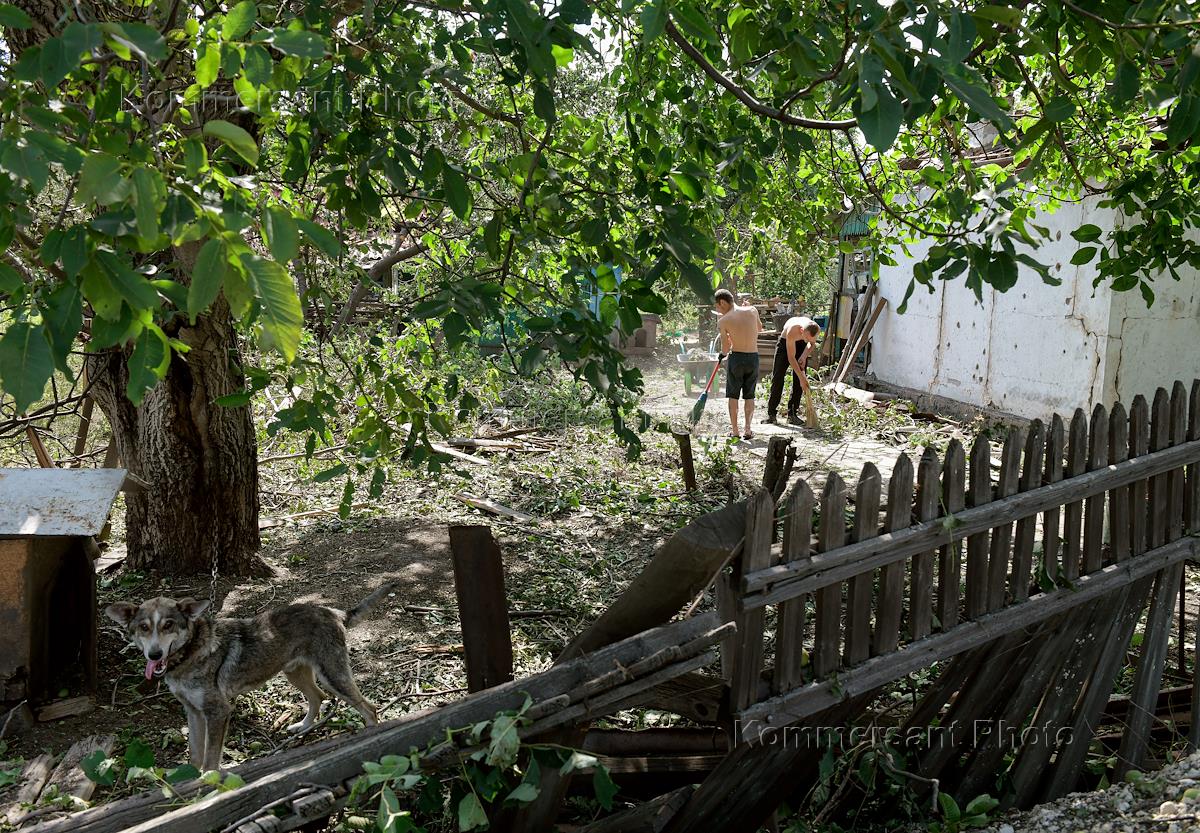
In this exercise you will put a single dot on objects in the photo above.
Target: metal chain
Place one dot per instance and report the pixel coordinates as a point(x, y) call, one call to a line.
point(212, 589)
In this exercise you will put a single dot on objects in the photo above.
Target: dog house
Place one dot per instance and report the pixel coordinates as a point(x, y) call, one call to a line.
point(48, 520)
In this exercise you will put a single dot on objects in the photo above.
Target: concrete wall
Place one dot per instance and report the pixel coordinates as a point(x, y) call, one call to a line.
point(1031, 351)
point(1038, 349)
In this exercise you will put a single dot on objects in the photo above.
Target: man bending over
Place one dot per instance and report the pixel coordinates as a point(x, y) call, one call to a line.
point(739, 326)
point(794, 347)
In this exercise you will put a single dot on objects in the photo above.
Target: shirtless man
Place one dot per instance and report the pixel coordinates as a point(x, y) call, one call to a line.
point(739, 326)
point(794, 347)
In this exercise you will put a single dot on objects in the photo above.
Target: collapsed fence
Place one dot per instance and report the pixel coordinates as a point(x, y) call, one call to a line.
point(1023, 590)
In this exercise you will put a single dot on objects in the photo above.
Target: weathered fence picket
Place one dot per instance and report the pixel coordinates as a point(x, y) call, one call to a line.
point(1093, 523)
point(1031, 475)
point(920, 580)
point(1052, 517)
point(1077, 450)
point(1139, 446)
point(831, 535)
point(789, 644)
point(1118, 497)
point(954, 476)
point(1010, 478)
point(977, 545)
point(858, 602)
point(747, 660)
point(891, 577)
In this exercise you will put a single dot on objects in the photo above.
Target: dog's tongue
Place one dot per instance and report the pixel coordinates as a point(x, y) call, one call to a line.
point(152, 666)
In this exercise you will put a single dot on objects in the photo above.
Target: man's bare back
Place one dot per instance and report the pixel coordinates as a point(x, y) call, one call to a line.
point(740, 328)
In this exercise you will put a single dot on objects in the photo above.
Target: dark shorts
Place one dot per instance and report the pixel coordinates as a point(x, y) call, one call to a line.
point(741, 375)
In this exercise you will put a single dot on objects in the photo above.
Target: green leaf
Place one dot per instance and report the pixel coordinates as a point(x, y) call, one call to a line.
point(63, 318)
point(1005, 15)
point(208, 275)
point(1087, 233)
point(98, 767)
point(147, 364)
point(101, 180)
point(257, 65)
point(330, 473)
point(239, 20)
point(299, 43)
point(1125, 84)
point(470, 813)
point(881, 124)
point(505, 741)
point(1083, 255)
point(138, 37)
point(282, 234)
point(10, 279)
point(577, 760)
point(978, 99)
point(320, 237)
point(237, 139)
point(688, 185)
point(543, 103)
point(524, 793)
point(654, 21)
point(604, 787)
point(139, 754)
point(458, 195)
point(981, 805)
point(700, 283)
point(13, 18)
point(281, 314)
point(1185, 119)
point(208, 65)
point(130, 285)
point(145, 189)
point(26, 363)
point(181, 773)
point(1059, 109)
point(695, 24)
point(1147, 296)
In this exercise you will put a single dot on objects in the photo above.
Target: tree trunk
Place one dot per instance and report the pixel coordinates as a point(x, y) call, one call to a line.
point(200, 459)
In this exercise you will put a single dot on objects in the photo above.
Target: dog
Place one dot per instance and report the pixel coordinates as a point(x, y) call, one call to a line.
point(207, 664)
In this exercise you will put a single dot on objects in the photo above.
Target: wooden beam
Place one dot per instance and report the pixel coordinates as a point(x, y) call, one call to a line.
point(775, 584)
point(482, 606)
point(686, 461)
point(802, 702)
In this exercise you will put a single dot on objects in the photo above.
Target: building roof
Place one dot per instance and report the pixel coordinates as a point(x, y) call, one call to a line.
point(43, 502)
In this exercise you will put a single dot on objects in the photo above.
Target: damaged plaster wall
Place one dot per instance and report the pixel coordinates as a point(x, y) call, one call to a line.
point(1032, 351)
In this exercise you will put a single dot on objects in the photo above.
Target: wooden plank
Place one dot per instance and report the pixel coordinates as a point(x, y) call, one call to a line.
point(1093, 518)
point(33, 778)
point(920, 580)
point(482, 606)
point(70, 707)
point(68, 778)
point(1192, 507)
point(782, 582)
point(977, 545)
point(1160, 438)
point(455, 454)
point(756, 554)
point(847, 357)
point(861, 342)
point(488, 505)
point(891, 577)
point(1118, 498)
point(1077, 451)
point(831, 536)
point(1052, 517)
point(858, 600)
point(649, 817)
point(998, 558)
point(1027, 774)
point(797, 534)
point(1073, 752)
point(996, 740)
point(954, 476)
point(1139, 488)
point(811, 698)
point(1148, 678)
point(1031, 478)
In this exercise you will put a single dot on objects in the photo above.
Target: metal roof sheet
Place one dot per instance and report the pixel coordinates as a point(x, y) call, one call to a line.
point(42, 502)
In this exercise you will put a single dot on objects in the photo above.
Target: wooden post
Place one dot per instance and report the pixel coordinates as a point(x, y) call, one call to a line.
point(747, 659)
point(482, 606)
point(685, 459)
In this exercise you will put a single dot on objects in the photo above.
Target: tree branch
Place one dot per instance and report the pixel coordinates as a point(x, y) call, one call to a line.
point(744, 96)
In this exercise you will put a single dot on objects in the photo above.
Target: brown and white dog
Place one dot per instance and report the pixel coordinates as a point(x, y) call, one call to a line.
point(207, 664)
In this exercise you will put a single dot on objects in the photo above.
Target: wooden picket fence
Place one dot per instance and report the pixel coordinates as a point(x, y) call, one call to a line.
point(1030, 582)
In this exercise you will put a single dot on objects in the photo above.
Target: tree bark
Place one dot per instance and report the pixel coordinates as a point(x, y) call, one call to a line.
point(200, 459)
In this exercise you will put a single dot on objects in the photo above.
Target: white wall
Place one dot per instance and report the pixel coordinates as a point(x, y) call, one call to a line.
point(1032, 351)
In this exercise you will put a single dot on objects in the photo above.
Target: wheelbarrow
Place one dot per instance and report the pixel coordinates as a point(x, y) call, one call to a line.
point(697, 364)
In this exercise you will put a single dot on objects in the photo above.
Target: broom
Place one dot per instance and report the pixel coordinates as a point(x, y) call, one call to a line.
point(810, 411)
point(698, 408)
